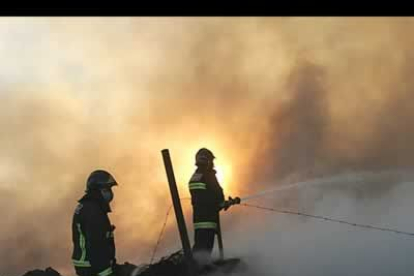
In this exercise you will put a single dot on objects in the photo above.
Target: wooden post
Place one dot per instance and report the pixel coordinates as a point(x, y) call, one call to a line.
point(178, 212)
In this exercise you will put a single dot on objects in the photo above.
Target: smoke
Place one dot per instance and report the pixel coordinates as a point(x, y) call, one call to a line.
point(277, 99)
point(294, 245)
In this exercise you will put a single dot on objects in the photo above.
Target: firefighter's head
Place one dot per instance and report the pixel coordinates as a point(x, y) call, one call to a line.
point(205, 158)
point(101, 181)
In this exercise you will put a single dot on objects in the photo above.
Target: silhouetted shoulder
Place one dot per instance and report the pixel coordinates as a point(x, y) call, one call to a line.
point(197, 176)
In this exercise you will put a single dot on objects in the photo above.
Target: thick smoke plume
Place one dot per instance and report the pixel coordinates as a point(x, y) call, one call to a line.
point(277, 99)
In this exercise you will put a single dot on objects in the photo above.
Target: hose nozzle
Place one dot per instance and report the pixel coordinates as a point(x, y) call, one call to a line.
point(231, 201)
point(234, 201)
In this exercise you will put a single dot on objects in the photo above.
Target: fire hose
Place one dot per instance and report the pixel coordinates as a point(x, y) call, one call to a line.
point(237, 201)
point(230, 202)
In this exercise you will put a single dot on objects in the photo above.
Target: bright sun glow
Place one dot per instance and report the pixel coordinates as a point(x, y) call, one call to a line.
point(223, 174)
point(185, 166)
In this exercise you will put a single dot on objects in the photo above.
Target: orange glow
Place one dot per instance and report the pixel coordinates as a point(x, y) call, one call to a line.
point(183, 158)
point(272, 98)
point(224, 173)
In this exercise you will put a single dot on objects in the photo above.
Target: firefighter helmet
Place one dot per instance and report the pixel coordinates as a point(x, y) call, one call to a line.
point(100, 179)
point(204, 157)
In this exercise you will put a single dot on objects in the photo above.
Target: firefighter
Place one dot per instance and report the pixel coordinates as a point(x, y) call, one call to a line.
point(92, 232)
point(207, 200)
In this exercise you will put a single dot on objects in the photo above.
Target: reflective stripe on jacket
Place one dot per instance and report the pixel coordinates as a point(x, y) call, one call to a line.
point(206, 197)
point(93, 237)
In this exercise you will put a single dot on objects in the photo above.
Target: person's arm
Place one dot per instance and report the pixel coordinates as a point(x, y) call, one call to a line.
point(221, 201)
point(198, 190)
point(218, 191)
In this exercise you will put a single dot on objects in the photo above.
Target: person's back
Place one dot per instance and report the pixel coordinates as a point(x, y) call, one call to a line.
point(92, 233)
point(206, 198)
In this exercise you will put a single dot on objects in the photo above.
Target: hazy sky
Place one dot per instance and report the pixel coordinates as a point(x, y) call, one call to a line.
point(277, 100)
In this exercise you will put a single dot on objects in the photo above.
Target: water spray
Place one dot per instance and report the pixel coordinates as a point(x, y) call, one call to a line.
point(348, 177)
point(278, 189)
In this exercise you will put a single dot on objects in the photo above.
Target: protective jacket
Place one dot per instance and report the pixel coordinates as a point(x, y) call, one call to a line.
point(206, 198)
point(93, 237)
